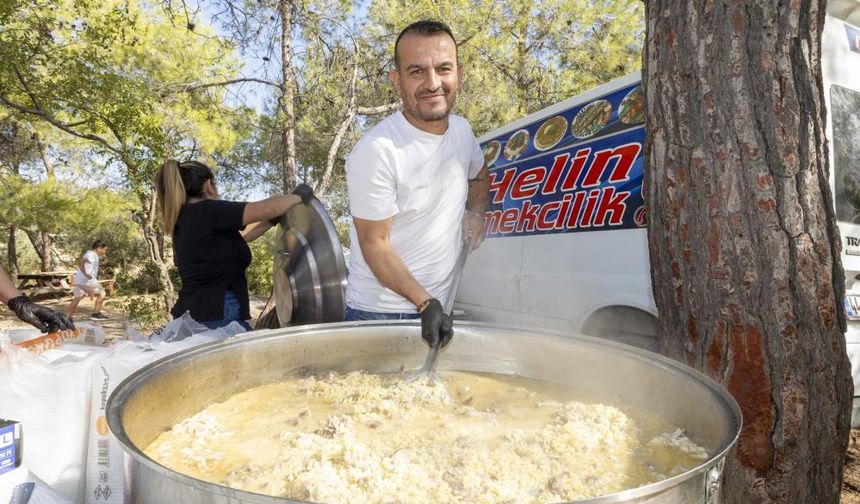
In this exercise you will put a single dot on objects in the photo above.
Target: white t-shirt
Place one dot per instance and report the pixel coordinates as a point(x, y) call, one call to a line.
point(91, 267)
point(421, 181)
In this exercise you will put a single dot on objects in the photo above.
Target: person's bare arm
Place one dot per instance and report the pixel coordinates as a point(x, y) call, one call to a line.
point(269, 208)
point(82, 265)
point(384, 261)
point(7, 288)
point(256, 230)
point(476, 202)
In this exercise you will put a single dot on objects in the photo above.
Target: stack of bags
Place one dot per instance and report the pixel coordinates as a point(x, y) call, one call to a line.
point(58, 390)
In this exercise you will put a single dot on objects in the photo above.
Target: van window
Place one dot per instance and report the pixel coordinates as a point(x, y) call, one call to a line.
point(845, 110)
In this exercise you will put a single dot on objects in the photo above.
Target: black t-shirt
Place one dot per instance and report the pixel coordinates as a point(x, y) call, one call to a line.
point(212, 257)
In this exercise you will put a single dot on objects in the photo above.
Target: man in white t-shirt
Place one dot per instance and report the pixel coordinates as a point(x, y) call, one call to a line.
point(418, 187)
point(86, 282)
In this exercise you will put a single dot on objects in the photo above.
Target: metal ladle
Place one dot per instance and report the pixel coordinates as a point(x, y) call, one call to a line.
point(432, 356)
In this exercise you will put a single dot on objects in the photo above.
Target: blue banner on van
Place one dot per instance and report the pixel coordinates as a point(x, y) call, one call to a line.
point(853, 37)
point(580, 170)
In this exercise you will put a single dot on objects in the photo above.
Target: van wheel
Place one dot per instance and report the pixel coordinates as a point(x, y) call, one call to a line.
point(624, 324)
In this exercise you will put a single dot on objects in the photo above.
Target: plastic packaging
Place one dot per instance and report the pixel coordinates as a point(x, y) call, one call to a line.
point(105, 474)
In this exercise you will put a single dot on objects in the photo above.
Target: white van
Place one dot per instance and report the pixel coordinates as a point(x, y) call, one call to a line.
point(566, 243)
point(566, 240)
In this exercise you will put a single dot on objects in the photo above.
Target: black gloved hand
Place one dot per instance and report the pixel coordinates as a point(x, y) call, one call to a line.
point(41, 317)
point(437, 328)
point(304, 192)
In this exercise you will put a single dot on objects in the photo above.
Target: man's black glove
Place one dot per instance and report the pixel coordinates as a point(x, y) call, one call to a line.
point(42, 318)
point(437, 328)
point(304, 192)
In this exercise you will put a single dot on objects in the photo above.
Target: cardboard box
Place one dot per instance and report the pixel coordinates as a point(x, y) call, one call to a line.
point(11, 438)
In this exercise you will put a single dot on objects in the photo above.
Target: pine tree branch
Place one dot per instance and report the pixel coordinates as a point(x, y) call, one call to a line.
point(67, 127)
point(379, 109)
point(192, 87)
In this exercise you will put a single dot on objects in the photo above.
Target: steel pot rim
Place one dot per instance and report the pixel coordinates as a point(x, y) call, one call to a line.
point(128, 386)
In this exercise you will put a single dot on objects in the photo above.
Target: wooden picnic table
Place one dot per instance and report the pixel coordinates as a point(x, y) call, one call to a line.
point(62, 279)
point(55, 280)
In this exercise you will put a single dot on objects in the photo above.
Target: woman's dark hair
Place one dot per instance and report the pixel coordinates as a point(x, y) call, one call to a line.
point(175, 182)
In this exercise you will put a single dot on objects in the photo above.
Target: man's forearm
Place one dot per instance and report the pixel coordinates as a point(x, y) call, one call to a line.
point(479, 192)
point(393, 274)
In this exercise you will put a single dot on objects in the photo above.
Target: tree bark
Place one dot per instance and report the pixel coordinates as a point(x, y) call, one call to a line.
point(46, 252)
point(155, 247)
point(12, 254)
point(47, 256)
point(12, 242)
point(43, 153)
point(35, 238)
point(743, 239)
point(287, 100)
point(43, 243)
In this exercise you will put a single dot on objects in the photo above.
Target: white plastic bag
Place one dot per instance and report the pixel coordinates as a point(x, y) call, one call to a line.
point(49, 394)
point(180, 328)
point(105, 475)
point(42, 493)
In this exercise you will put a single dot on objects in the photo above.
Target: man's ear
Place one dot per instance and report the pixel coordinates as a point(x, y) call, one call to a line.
point(394, 79)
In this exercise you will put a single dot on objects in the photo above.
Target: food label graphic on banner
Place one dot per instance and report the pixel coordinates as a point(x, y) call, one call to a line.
point(580, 170)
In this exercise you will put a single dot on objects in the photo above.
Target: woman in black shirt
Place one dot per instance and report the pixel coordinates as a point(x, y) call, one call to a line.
point(210, 238)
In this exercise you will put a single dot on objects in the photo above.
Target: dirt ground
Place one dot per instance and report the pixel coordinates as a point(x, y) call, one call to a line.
point(117, 324)
point(851, 475)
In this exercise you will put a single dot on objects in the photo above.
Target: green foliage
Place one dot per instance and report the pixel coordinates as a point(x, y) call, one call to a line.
point(107, 216)
point(259, 273)
point(33, 205)
point(140, 280)
point(130, 87)
point(76, 217)
point(145, 311)
point(17, 145)
point(28, 260)
point(116, 73)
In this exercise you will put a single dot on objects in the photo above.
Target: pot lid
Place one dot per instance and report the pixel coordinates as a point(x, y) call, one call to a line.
point(309, 270)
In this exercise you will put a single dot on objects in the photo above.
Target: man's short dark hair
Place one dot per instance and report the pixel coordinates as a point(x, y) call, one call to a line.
point(425, 28)
point(99, 244)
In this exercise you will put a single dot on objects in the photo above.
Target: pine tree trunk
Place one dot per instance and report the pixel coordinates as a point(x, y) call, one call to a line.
point(35, 238)
point(743, 240)
point(47, 255)
point(43, 244)
point(43, 153)
point(12, 254)
point(12, 242)
point(287, 105)
point(155, 246)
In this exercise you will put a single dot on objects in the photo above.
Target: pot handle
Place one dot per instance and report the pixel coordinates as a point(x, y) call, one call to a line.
point(714, 482)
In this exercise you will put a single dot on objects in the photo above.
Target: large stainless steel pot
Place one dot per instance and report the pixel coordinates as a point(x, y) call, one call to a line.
point(169, 390)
